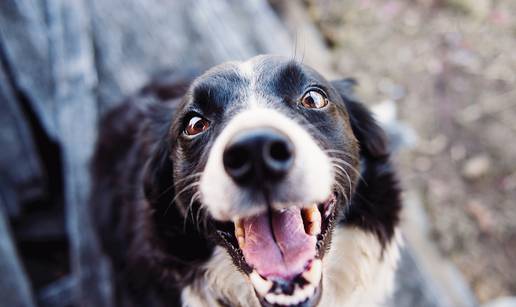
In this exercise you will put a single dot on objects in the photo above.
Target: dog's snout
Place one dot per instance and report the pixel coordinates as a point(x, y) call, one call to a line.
point(258, 156)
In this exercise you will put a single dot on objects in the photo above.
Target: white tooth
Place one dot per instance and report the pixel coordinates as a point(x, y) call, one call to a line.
point(312, 219)
point(308, 291)
point(239, 228)
point(301, 294)
point(241, 242)
point(289, 300)
point(282, 299)
point(271, 298)
point(261, 285)
point(314, 228)
point(328, 209)
point(239, 232)
point(279, 299)
point(313, 275)
point(298, 296)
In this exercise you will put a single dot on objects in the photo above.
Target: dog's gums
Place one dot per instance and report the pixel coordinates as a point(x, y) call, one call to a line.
point(281, 251)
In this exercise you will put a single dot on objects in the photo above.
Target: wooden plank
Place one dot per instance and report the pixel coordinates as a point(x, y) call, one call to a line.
point(75, 79)
point(47, 46)
point(58, 294)
point(15, 289)
point(24, 42)
point(26, 179)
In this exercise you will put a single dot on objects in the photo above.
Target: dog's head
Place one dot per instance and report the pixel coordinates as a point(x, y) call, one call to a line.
point(267, 152)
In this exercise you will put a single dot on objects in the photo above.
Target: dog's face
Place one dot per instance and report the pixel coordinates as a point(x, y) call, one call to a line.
point(266, 152)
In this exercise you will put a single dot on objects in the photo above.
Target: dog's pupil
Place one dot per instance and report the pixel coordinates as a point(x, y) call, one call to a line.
point(310, 101)
point(199, 125)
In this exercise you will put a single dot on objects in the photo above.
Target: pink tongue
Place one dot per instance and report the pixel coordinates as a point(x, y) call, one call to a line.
point(283, 254)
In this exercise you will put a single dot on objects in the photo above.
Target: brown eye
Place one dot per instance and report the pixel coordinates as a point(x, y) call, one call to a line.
point(314, 100)
point(196, 125)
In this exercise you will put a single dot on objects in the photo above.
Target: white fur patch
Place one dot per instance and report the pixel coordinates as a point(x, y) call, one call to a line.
point(222, 280)
point(247, 70)
point(354, 274)
point(309, 181)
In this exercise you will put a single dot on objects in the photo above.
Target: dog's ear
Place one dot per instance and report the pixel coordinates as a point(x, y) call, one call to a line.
point(376, 202)
point(372, 139)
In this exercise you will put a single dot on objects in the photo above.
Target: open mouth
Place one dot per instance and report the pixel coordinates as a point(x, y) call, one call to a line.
point(281, 251)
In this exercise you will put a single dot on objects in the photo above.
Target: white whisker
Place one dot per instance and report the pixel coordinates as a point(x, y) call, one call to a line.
point(185, 189)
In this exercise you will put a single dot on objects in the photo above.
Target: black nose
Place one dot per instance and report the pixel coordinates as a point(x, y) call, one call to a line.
point(258, 156)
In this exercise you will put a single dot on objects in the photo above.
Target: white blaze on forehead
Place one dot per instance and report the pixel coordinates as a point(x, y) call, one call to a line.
point(247, 69)
point(309, 181)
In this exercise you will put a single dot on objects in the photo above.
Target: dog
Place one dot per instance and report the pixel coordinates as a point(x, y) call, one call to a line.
point(257, 183)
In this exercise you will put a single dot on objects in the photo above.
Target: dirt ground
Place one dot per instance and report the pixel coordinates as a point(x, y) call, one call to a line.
point(450, 66)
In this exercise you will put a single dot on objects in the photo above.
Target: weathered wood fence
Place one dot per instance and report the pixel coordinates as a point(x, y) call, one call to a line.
point(62, 64)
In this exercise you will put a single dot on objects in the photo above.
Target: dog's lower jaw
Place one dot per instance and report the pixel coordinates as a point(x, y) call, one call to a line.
point(357, 271)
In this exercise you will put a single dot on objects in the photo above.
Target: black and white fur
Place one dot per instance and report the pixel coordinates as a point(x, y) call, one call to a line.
point(161, 198)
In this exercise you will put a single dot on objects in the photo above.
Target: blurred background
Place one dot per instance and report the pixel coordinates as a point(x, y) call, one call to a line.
point(439, 75)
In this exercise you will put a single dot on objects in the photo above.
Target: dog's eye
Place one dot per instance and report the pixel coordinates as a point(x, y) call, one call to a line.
point(314, 100)
point(196, 125)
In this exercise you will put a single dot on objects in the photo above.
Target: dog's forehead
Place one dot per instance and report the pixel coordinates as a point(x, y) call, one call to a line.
point(261, 68)
point(262, 81)
point(267, 74)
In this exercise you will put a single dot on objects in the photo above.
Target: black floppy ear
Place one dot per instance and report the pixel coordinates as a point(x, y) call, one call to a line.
point(376, 203)
point(372, 139)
